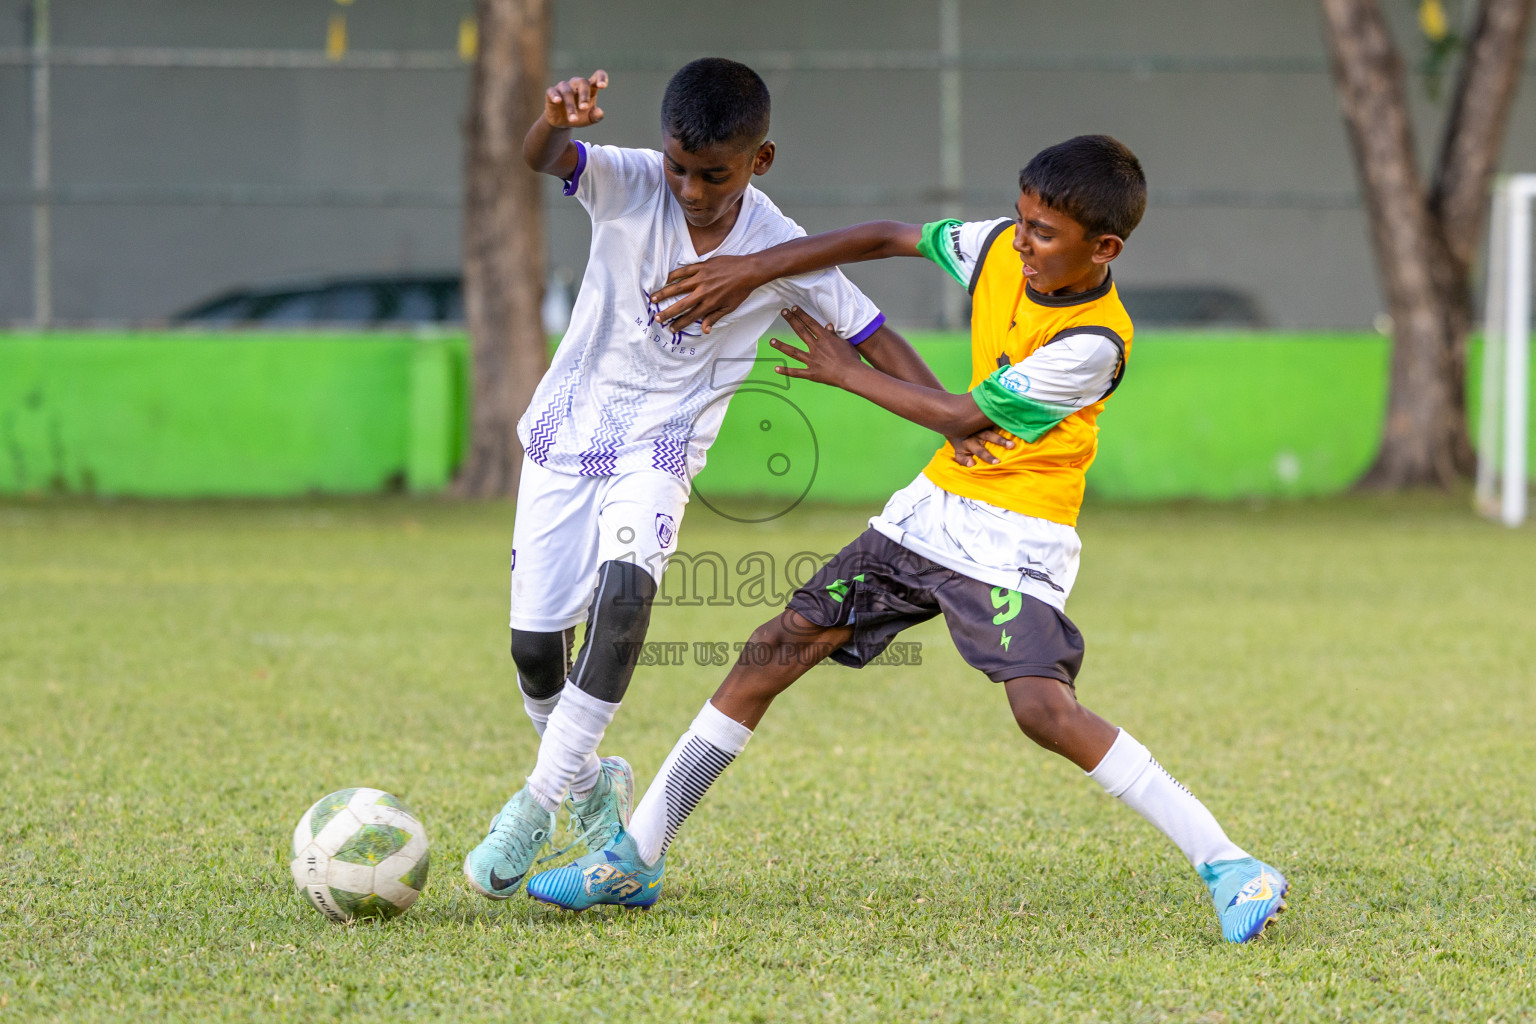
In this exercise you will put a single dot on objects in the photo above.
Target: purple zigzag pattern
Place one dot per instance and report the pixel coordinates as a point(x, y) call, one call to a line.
point(668, 456)
point(541, 435)
point(602, 455)
point(669, 453)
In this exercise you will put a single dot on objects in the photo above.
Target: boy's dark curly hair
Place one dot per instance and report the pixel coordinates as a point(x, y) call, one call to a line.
point(714, 100)
point(1094, 179)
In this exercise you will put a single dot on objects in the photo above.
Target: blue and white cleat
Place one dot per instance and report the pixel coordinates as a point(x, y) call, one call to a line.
point(614, 875)
point(1248, 895)
point(516, 836)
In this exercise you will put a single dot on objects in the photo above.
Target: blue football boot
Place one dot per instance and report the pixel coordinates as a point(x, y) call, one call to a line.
point(614, 875)
point(1248, 895)
point(516, 836)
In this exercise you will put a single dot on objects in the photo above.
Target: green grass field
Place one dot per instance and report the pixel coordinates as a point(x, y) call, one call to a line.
point(1349, 684)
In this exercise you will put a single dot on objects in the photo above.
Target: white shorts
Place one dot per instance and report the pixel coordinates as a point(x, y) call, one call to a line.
point(995, 545)
point(567, 526)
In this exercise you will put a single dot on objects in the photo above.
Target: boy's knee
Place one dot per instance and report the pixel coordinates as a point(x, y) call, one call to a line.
point(543, 661)
point(792, 637)
point(1044, 708)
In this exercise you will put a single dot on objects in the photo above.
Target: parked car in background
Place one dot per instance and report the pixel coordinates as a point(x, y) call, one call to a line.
point(1190, 306)
point(348, 301)
point(384, 301)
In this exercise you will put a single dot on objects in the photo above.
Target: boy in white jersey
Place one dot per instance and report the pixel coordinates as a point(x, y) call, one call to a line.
point(621, 422)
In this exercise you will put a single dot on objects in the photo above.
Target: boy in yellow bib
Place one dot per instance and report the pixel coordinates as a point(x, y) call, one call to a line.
point(988, 542)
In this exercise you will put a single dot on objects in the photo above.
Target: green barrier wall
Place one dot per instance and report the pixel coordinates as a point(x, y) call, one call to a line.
point(181, 415)
point(1209, 415)
point(189, 415)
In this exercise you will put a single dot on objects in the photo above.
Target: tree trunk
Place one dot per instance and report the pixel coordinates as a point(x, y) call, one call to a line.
point(1474, 137)
point(1425, 437)
point(503, 239)
point(1424, 242)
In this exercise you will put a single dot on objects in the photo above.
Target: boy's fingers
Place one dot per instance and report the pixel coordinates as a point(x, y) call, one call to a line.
point(675, 279)
point(582, 90)
point(991, 436)
point(568, 98)
point(599, 79)
point(972, 448)
point(680, 308)
point(679, 282)
point(807, 328)
point(790, 350)
point(596, 115)
point(712, 319)
point(693, 309)
point(800, 322)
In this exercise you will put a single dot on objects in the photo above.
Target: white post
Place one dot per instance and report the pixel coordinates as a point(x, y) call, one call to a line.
point(951, 170)
point(42, 177)
point(1517, 362)
point(1489, 420)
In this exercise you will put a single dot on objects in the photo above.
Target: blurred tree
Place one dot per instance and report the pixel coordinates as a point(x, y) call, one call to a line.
point(1425, 237)
point(503, 238)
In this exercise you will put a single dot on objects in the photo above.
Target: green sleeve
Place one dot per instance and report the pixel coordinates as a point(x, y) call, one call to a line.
point(933, 246)
point(1017, 413)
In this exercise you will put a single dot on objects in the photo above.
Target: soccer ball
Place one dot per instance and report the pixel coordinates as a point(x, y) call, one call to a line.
point(359, 853)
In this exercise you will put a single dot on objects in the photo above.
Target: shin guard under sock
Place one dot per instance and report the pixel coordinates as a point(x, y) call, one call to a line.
point(1128, 771)
point(710, 744)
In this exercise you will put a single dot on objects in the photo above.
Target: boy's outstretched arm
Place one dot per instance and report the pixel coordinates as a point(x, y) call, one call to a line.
point(547, 148)
point(891, 354)
point(1028, 399)
point(830, 360)
point(708, 290)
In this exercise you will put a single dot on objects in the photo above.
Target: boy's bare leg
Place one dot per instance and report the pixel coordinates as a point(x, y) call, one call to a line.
point(782, 650)
point(1247, 893)
point(1048, 712)
point(796, 644)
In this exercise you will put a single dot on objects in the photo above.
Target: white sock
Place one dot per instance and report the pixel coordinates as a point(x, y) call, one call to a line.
point(1129, 772)
point(538, 708)
point(568, 749)
point(710, 744)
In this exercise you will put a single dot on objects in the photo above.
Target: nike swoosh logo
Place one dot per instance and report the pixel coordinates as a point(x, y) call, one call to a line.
point(498, 883)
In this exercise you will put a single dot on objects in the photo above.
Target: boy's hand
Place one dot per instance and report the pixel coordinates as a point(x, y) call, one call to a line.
point(709, 290)
point(969, 449)
point(828, 358)
point(573, 103)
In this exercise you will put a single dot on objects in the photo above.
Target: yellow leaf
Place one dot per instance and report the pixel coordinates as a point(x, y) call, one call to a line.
point(469, 38)
point(1432, 20)
point(336, 37)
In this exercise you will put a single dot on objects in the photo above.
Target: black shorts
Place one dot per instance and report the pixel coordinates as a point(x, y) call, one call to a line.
point(881, 588)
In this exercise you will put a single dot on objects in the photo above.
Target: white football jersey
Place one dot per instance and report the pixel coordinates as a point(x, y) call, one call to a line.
point(625, 393)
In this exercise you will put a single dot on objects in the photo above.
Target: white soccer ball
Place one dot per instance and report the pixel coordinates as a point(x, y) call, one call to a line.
point(359, 853)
